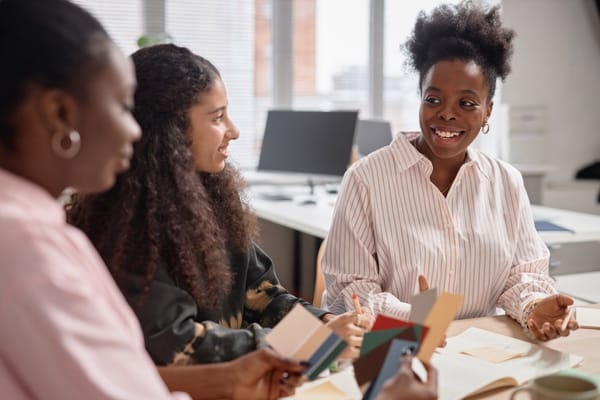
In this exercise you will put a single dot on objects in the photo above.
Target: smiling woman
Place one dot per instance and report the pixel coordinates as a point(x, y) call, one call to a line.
point(434, 206)
point(455, 105)
point(180, 244)
point(211, 129)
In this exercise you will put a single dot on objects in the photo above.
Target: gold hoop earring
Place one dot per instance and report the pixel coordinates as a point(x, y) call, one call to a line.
point(485, 128)
point(66, 145)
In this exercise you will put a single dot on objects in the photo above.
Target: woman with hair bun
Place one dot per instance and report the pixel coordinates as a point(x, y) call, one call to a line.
point(433, 208)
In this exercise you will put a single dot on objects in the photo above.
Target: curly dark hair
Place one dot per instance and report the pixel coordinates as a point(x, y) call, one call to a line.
point(162, 209)
point(465, 32)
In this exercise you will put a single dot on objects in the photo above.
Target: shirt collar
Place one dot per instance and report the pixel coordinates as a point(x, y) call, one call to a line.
point(474, 158)
point(23, 198)
point(407, 155)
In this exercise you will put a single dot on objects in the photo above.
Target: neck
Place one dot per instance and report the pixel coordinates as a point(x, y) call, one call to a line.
point(444, 169)
point(440, 164)
point(32, 172)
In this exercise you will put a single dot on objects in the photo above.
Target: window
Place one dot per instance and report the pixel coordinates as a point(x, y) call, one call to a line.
point(223, 32)
point(330, 57)
point(124, 20)
point(329, 65)
point(400, 88)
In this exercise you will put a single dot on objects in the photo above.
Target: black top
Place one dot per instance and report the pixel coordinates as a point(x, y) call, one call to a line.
point(177, 331)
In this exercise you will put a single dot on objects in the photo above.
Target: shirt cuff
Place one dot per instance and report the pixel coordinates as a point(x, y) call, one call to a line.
point(527, 308)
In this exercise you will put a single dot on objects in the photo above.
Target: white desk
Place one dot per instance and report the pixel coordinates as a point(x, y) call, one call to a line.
point(584, 286)
point(291, 224)
point(315, 219)
point(312, 219)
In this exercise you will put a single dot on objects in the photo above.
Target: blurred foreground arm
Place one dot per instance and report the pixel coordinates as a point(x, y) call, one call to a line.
point(406, 386)
point(261, 374)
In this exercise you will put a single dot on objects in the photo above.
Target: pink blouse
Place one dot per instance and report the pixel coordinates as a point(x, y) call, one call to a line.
point(66, 331)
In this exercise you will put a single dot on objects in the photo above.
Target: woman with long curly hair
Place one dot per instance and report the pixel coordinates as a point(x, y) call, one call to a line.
point(66, 93)
point(175, 231)
point(432, 206)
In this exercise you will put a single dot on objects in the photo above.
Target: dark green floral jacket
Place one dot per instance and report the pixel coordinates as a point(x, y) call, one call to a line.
point(177, 331)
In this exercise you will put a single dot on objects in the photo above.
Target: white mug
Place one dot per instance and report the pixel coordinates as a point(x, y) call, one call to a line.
point(560, 387)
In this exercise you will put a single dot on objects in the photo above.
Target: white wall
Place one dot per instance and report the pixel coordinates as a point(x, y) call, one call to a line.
point(556, 67)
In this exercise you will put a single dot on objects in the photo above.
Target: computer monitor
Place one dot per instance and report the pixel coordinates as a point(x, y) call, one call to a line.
point(372, 135)
point(308, 142)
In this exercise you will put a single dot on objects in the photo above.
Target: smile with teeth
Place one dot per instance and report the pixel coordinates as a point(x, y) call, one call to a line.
point(446, 134)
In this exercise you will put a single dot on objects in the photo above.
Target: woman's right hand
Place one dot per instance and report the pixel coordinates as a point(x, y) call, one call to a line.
point(406, 386)
point(263, 374)
point(344, 325)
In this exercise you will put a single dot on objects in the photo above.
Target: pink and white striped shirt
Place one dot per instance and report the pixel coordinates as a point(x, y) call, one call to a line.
point(391, 224)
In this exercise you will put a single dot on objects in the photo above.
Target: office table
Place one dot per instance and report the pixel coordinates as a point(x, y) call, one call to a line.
point(315, 219)
point(585, 342)
point(574, 250)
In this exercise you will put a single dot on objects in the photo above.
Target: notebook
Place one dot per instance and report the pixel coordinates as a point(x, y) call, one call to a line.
point(463, 374)
point(546, 226)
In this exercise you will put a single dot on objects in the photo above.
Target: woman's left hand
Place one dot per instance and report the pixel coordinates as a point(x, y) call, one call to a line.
point(546, 320)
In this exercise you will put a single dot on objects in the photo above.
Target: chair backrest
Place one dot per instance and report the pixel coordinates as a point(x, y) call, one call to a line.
point(319, 278)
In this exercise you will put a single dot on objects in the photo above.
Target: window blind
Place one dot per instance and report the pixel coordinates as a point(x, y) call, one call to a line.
point(124, 20)
point(223, 32)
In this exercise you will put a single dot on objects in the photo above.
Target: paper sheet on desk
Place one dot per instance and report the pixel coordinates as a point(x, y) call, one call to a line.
point(338, 386)
point(492, 354)
point(323, 391)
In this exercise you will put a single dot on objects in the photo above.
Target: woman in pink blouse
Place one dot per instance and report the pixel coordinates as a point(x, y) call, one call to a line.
point(66, 95)
point(433, 206)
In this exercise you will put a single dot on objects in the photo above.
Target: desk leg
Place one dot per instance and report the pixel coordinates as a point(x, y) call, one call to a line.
point(294, 254)
point(303, 260)
point(306, 264)
point(279, 243)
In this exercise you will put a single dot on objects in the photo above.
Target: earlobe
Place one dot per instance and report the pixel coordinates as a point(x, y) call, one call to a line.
point(59, 111)
point(489, 110)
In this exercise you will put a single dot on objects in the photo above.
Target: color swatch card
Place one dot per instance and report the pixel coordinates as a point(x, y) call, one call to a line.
point(436, 315)
point(391, 365)
point(302, 336)
point(376, 345)
point(430, 317)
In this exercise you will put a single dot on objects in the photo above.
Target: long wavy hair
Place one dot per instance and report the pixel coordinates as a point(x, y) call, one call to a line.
point(162, 210)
